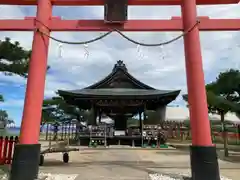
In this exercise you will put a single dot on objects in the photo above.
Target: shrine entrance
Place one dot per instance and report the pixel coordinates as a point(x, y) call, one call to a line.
point(204, 162)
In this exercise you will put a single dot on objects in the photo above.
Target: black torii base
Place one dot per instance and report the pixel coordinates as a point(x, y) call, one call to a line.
point(204, 163)
point(25, 164)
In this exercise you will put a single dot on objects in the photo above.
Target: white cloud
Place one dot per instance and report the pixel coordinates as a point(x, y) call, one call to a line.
point(12, 103)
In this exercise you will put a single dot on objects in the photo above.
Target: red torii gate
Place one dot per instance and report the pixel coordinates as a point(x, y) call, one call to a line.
point(203, 153)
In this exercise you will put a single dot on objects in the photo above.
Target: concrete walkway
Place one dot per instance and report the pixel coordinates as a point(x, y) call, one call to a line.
point(114, 164)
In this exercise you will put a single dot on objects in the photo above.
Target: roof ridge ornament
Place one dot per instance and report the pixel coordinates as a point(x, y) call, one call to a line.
point(120, 65)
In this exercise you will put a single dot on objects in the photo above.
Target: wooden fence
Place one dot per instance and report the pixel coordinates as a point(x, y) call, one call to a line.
point(7, 145)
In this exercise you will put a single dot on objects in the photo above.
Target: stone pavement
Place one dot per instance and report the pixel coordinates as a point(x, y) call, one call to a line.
point(114, 164)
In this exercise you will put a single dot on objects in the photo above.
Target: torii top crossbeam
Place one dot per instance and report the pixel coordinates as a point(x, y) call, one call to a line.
point(101, 2)
point(174, 24)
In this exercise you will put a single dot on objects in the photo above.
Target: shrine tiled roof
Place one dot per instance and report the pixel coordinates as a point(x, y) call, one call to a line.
point(119, 92)
point(119, 85)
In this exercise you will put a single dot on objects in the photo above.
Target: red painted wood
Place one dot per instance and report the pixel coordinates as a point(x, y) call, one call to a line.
point(198, 110)
point(5, 149)
point(101, 2)
point(32, 112)
point(10, 150)
point(174, 24)
point(1, 150)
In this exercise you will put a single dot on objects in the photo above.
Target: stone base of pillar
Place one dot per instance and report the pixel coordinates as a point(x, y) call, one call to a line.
point(25, 163)
point(204, 163)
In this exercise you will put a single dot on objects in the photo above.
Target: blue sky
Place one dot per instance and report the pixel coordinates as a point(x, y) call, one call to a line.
point(72, 70)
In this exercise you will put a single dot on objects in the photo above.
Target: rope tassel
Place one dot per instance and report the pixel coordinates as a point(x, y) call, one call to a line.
point(60, 50)
point(86, 54)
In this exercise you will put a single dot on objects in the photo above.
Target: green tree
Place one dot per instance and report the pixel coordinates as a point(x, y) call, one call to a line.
point(14, 59)
point(57, 111)
point(227, 84)
point(4, 119)
point(219, 105)
point(64, 111)
point(223, 97)
point(1, 98)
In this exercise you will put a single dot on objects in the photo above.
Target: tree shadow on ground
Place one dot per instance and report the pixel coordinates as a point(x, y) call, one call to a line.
point(180, 147)
point(233, 157)
point(175, 153)
point(132, 164)
point(144, 166)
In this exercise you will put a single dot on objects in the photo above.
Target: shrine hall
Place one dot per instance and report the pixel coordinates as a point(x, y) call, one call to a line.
point(120, 96)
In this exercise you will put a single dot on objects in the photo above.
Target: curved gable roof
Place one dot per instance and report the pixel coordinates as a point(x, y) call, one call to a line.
point(119, 70)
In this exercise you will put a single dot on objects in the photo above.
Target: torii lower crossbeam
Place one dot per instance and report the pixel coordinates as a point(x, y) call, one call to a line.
point(174, 24)
point(204, 163)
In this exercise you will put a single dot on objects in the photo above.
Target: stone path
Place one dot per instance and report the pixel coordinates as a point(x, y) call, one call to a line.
point(116, 164)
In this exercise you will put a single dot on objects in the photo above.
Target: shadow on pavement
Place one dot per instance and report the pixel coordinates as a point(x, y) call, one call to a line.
point(233, 157)
point(175, 153)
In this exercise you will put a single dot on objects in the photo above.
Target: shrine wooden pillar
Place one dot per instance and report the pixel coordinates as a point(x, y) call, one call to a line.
point(141, 111)
point(99, 116)
point(140, 121)
point(144, 120)
point(95, 113)
point(204, 162)
point(26, 154)
point(93, 116)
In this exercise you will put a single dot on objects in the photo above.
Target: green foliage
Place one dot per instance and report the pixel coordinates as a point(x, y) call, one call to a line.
point(13, 58)
point(152, 117)
point(219, 104)
point(228, 85)
point(4, 118)
point(57, 110)
point(223, 94)
point(1, 98)
point(52, 111)
point(132, 122)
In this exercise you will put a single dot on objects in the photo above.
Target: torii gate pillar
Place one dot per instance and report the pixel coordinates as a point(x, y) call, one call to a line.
point(27, 152)
point(204, 163)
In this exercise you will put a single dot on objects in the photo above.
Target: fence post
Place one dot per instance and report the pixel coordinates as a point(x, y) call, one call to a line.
point(10, 150)
point(5, 149)
point(1, 150)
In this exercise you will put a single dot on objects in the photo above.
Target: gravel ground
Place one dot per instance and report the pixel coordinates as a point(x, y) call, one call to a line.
point(156, 176)
point(43, 176)
point(175, 177)
point(49, 176)
point(114, 164)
